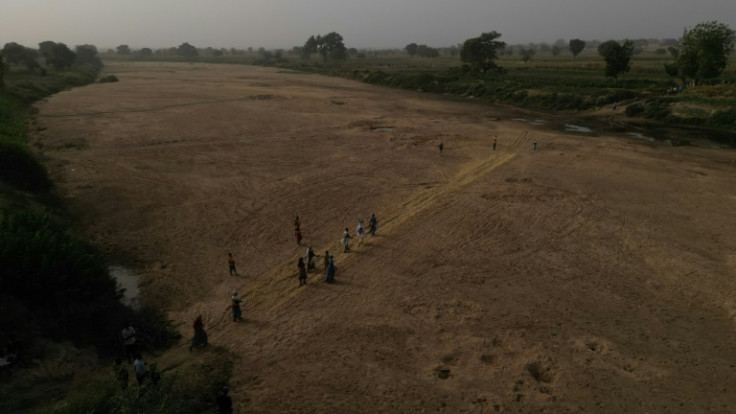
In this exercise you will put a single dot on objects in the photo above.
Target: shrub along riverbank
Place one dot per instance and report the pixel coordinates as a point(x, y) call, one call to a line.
point(55, 288)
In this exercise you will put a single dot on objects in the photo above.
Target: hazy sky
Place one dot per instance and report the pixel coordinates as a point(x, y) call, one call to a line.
point(362, 23)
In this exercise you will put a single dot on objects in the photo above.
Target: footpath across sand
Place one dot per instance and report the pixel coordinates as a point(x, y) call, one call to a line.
point(594, 274)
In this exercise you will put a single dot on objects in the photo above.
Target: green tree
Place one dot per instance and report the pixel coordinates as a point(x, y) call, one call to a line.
point(328, 46)
point(13, 52)
point(57, 55)
point(411, 49)
point(617, 56)
point(333, 47)
point(123, 50)
point(526, 54)
point(556, 50)
point(17, 54)
point(704, 49)
point(576, 46)
point(146, 51)
point(88, 54)
point(186, 50)
point(426, 51)
point(310, 46)
point(480, 52)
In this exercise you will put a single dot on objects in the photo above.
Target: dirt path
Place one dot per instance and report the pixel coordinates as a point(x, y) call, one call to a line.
point(594, 274)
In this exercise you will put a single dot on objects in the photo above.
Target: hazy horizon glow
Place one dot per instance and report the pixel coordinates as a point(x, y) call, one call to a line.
point(378, 24)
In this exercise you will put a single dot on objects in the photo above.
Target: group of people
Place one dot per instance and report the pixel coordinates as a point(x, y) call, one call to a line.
point(132, 353)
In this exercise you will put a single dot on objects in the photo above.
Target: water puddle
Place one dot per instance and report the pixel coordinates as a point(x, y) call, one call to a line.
point(577, 128)
point(128, 281)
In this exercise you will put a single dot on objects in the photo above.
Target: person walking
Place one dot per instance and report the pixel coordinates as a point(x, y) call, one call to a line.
point(310, 259)
point(128, 337)
point(441, 147)
point(330, 270)
point(200, 335)
point(360, 232)
point(302, 272)
point(495, 139)
point(346, 240)
point(298, 234)
point(297, 223)
point(372, 222)
point(235, 303)
point(327, 258)
point(140, 369)
point(231, 264)
point(534, 145)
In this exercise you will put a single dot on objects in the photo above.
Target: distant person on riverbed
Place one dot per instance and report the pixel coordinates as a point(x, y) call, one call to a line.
point(441, 147)
point(495, 139)
point(534, 145)
point(200, 335)
point(346, 240)
point(237, 312)
point(231, 264)
point(360, 232)
point(372, 225)
point(302, 272)
point(310, 259)
point(330, 273)
point(327, 258)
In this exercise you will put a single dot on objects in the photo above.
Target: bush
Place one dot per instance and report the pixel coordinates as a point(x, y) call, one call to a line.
point(20, 169)
point(57, 281)
point(724, 118)
point(194, 389)
point(108, 79)
point(634, 109)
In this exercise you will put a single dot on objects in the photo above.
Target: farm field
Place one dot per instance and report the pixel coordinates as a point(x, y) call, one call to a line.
point(593, 274)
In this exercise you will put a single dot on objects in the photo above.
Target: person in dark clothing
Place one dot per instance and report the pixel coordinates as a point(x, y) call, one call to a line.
point(302, 272)
point(231, 264)
point(346, 240)
point(441, 147)
point(224, 402)
point(297, 223)
point(330, 274)
point(140, 369)
point(237, 312)
point(200, 335)
point(327, 258)
point(372, 223)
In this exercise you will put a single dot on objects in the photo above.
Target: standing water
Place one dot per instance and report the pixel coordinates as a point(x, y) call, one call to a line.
point(128, 281)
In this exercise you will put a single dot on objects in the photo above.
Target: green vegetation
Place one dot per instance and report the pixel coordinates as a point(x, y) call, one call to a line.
point(108, 79)
point(55, 289)
point(328, 46)
point(192, 389)
point(617, 57)
point(640, 72)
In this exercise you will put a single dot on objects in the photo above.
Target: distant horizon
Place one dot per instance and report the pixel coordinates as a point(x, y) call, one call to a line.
point(377, 25)
point(255, 48)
